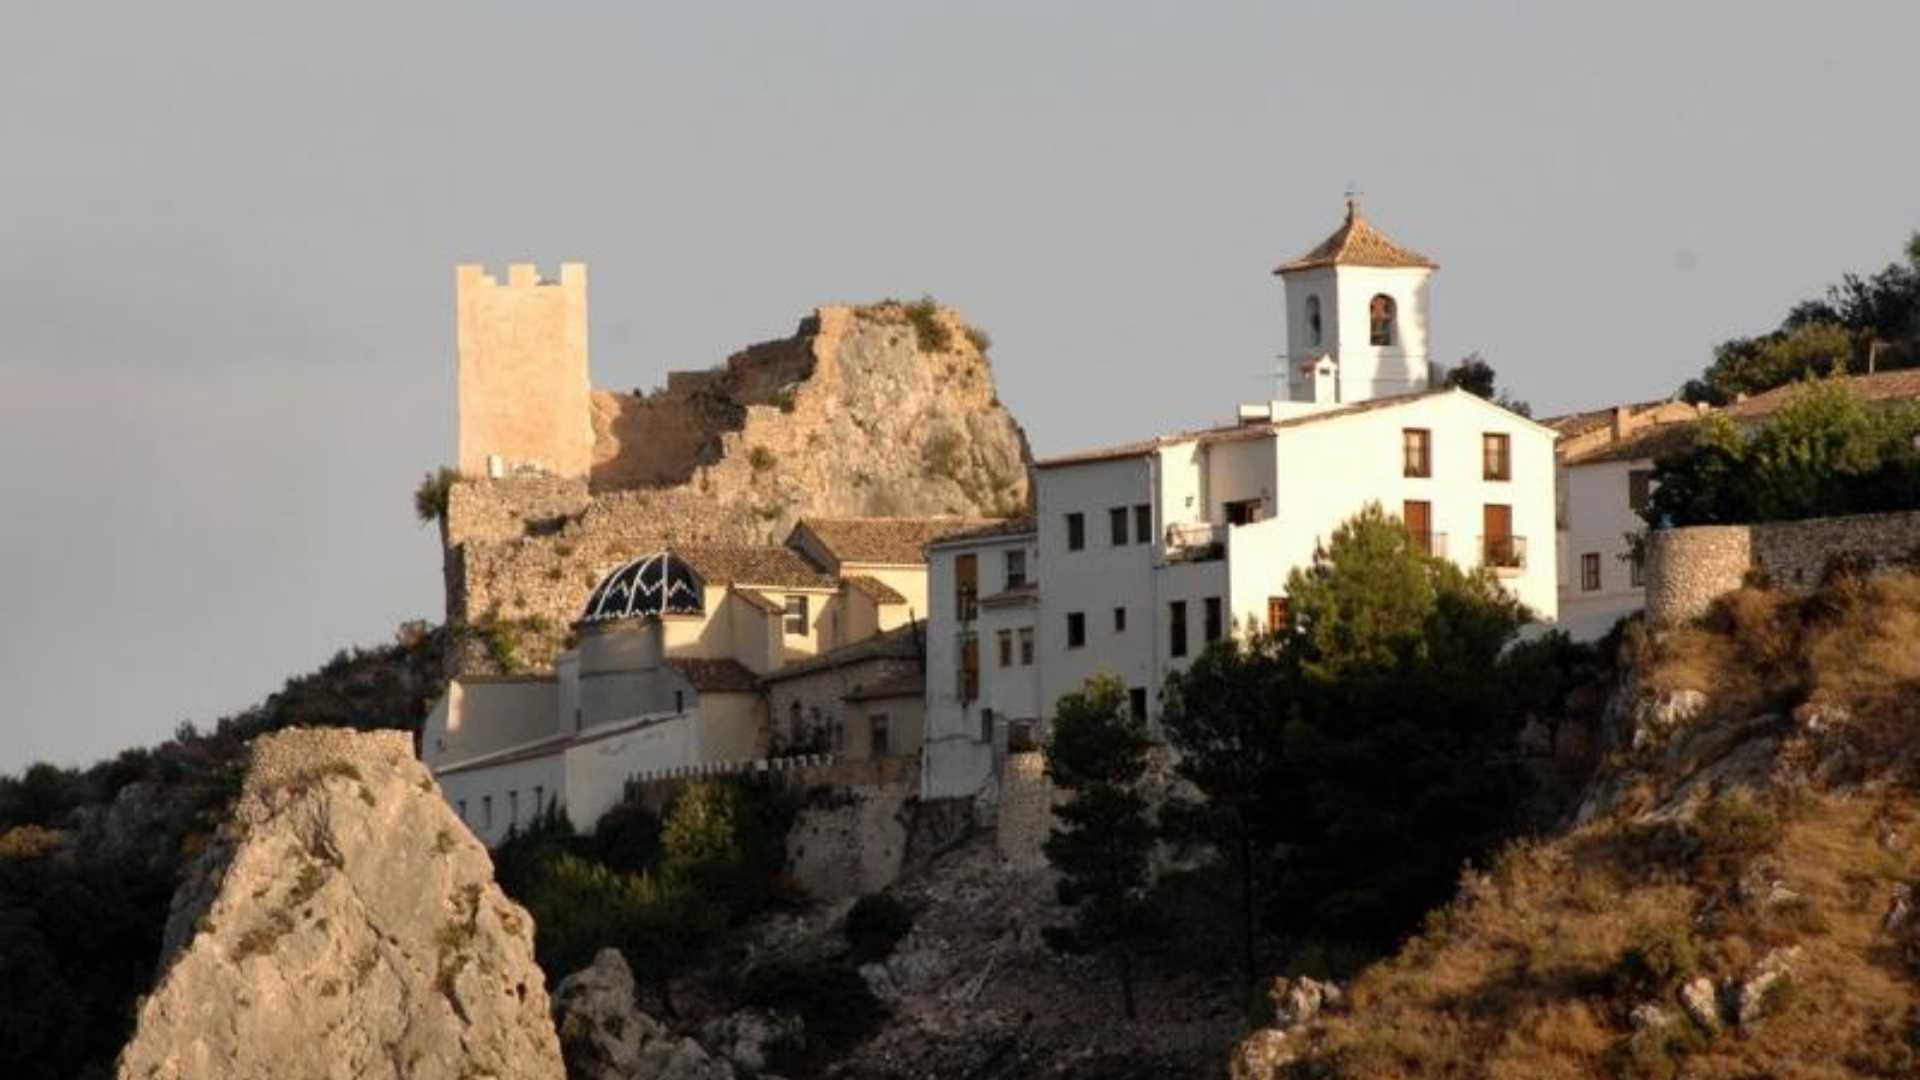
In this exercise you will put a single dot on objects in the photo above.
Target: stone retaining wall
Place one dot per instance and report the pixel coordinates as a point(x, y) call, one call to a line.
point(1688, 568)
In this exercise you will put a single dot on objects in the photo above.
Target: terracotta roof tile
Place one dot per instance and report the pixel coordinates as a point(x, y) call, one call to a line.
point(1903, 385)
point(906, 684)
point(876, 590)
point(1233, 432)
point(887, 541)
point(1005, 527)
point(1653, 441)
point(899, 643)
point(720, 676)
point(762, 601)
point(758, 564)
point(1356, 243)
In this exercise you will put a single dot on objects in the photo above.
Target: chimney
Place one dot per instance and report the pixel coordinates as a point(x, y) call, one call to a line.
point(1622, 422)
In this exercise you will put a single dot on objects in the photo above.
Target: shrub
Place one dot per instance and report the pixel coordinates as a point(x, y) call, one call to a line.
point(761, 459)
point(1732, 827)
point(829, 995)
point(627, 837)
point(979, 339)
point(875, 924)
point(942, 455)
point(1657, 960)
point(930, 331)
point(430, 498)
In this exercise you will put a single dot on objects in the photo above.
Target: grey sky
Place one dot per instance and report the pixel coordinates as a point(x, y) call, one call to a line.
point(227, 234)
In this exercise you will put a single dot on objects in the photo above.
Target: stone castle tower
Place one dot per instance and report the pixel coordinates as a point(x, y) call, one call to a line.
point(524, 393)
point(1356, 316)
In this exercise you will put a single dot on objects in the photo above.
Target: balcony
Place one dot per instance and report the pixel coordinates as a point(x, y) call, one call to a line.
point(1196, 541)
point(1505, 554)
point(1433, 543)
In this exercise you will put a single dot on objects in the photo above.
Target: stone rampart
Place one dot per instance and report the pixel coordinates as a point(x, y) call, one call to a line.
point(853, 416)
point(1688, 568)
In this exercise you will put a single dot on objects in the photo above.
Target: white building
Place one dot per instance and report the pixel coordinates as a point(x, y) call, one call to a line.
point(681, 653)
point(1605, 476)
point(1141, 554)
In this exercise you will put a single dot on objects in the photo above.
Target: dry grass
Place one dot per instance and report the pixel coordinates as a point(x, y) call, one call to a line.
point(1535, 967)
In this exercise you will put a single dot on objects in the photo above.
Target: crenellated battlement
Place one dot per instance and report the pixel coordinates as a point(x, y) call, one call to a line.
point(522, 276)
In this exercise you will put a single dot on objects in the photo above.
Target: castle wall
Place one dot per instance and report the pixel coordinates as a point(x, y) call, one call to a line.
point(524, 394)
point(1688, 568)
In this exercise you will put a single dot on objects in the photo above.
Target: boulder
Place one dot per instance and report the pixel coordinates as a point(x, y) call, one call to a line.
point(1702, 1004)
point(751, 1038)
point(1296, 1001)
point(1260, 1055)
point(344, 923)
point(1655, 718)
point(1755, 996)
point(601, 1030)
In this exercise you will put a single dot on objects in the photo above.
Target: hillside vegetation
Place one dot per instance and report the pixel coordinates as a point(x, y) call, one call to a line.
point(1732, 897)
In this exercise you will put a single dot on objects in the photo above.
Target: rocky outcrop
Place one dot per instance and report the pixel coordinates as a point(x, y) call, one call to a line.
point(884, 410)
point(604, 1036)
point(344, 923)
point(1295, 1003)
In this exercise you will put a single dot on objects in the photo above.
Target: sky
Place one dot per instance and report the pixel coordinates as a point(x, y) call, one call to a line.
point(228, 233)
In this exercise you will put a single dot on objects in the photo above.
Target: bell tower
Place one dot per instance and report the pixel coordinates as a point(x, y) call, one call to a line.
point(525, 401)
point(1356, 316)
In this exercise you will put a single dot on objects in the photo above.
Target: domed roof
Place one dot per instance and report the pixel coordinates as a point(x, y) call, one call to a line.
point(657, 584)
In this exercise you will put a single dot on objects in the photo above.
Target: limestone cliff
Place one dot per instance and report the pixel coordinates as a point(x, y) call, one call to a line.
point(344, 924)
point(883, 410)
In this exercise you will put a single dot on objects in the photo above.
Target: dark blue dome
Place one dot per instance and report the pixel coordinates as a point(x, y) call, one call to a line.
point(657, 584)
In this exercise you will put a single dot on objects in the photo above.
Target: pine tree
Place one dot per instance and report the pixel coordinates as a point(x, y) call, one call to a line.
point(1098, 753)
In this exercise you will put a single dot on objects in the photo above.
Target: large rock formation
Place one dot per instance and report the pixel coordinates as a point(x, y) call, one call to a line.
point(885, 410)
point(344, 924)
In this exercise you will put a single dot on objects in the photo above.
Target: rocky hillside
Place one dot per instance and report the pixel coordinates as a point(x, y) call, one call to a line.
point(344, 924)
point(1732, 898)
point(884, 410)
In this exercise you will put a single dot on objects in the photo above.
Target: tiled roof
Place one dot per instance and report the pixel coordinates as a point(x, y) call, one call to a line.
point(876, 590)
point(719, 676)
point(887, 541)
point(1903, 385)
point(911, 684)
point(1017, 526)
point(1647, 443)
point(759, 564)
point(762, 601)
point(1593, 419)
point(899, 643)
point(1356, 243)
point(1232, 432)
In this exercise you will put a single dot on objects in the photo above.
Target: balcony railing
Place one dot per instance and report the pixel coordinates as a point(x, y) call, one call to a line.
point(1506, 553)
point(1196, 540)
point(1433, 543)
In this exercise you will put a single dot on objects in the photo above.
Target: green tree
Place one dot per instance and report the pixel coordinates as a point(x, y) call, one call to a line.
point(1223, 716)
point(1477, 377)
point(1098, 754)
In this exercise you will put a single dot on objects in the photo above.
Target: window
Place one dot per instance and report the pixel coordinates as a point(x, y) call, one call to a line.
point(1117, 523)
point(1416, 448)
point(486, 811)
point(1243, 511)
point(1636, 571)
point(986, 725)
point(1076, 629)
point(1590, 572)
point(1016, 568)
point(794, 721)
point(1639, 486)
point(1005, 641)
point(1177, 627)
point(1380, 315)
point(877, 744)
point(1143, 524)
point(1496, 458)
point(966, 587)
point(679, 701)
point(1313, 320)
point(1076, 531)
point(1501, 548)
point(797, 620)
point(513, 809)
point(1418, 516)
point(1119, 620)
point(463, 811)
point(1026, 646)
point(1137, 702)
point(1213, 623)
point(969, 667)
point(539, 799)
point(1279, 615)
